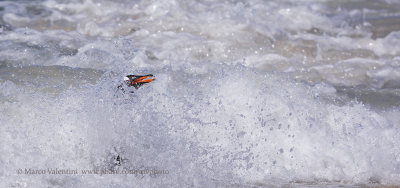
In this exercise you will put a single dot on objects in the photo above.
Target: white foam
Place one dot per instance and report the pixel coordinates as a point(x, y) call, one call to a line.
point(222, 111)
point(225, 125)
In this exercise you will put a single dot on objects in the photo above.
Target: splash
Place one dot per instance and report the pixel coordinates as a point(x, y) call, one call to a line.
point(239, 100)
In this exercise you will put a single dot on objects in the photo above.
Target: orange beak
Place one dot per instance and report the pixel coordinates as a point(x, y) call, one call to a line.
point(143, 80)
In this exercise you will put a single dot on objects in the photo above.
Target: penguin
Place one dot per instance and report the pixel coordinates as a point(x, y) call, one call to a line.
point(136, 81)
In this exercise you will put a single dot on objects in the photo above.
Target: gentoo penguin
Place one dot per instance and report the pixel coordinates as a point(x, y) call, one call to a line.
point(136, 80)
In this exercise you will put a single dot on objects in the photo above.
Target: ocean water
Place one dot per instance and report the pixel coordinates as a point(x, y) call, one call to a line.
point(247, 93)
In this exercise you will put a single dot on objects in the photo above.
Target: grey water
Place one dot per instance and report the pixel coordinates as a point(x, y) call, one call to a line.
point(247, 93)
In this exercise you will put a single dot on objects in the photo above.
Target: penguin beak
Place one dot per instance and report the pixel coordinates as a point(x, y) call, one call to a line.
point(137, 81)
point(142, 79)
